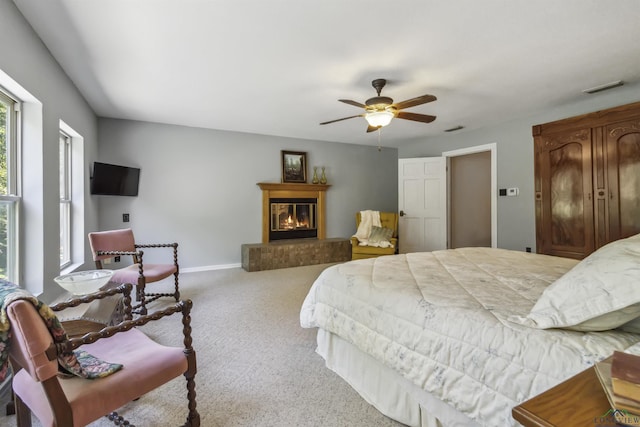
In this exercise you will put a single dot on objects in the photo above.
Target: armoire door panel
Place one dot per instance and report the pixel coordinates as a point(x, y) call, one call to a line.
point(623, 144)
point(566, 193)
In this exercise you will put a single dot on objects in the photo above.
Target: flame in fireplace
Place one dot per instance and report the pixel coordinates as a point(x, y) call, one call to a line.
point(298, 223)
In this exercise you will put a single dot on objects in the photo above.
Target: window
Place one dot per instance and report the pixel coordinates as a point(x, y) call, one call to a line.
point(21, 228)
point(65, 200)
point(71, 182)
point(9, 188)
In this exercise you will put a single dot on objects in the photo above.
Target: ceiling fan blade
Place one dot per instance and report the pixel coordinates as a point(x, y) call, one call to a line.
point(372, 128)
point(344, 118)
point(415, 101)
point(354, 103)
point(424, 118)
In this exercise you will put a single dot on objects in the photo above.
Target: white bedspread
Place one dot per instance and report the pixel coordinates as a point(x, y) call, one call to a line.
point(438, 319)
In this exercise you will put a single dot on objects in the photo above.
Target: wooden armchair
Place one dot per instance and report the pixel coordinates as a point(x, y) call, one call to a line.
point(74, 401)
point(108, 244)
point(387, 220)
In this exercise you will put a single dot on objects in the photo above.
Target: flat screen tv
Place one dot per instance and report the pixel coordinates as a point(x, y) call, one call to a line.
point(114, 180)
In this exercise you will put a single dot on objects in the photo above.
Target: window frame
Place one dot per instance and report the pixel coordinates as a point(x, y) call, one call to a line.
point(66, 198)
point(12, 199)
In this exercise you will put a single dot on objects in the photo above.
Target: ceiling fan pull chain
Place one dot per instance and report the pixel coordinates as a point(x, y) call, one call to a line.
point(379, 134)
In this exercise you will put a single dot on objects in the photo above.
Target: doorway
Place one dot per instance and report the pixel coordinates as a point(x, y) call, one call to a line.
point(472, 197)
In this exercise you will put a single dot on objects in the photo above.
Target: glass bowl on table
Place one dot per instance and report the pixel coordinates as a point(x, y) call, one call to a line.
point(79, 318)
point(84, 282)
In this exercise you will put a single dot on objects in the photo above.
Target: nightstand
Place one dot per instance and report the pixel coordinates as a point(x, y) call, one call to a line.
point(577, 402)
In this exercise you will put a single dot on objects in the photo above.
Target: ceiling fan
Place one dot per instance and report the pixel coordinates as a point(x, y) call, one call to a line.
point(379, 110)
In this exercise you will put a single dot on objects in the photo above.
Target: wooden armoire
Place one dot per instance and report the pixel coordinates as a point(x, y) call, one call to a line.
point(587, 181)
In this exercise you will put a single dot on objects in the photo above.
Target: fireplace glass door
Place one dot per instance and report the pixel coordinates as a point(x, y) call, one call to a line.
point(293, 219)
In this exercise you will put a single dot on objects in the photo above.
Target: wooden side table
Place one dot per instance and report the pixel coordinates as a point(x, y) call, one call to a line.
point(577, 402)
point(90, 317)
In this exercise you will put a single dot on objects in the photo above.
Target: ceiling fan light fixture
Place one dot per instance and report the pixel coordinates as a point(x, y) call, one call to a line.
point(380, 110)
point(379, 118)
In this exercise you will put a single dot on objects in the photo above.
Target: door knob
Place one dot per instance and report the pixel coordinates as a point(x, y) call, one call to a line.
point(402, 213)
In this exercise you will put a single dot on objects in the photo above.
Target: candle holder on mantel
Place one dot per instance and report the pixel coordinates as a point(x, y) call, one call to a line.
point(315, 175)
point(323, 177)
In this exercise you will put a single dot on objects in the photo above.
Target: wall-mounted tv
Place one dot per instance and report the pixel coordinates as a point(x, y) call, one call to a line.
point(114, 180)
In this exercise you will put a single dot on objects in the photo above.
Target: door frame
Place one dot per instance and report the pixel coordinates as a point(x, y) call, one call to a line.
point(493, 148)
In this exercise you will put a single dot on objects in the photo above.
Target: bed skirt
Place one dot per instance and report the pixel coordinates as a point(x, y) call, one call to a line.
point(387, 391)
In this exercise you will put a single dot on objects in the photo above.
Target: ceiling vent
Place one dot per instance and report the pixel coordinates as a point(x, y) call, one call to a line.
point(604, 87)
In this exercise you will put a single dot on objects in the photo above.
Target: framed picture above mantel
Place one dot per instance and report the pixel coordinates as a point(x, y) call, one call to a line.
point(294, 166)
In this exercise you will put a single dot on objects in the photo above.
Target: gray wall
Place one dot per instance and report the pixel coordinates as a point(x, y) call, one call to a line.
point(198, 186)
point(26, 61)
point(516, 215)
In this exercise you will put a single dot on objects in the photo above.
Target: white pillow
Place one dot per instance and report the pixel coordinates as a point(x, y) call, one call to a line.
point(600, 293)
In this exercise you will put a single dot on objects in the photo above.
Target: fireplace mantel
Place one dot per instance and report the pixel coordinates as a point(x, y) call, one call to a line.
point(274, 190)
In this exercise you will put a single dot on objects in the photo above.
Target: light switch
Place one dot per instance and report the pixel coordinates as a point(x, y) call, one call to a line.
point(514, 191)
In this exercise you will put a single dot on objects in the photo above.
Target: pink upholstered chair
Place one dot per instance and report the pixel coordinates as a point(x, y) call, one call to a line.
point(108, 244)
point(75, 401)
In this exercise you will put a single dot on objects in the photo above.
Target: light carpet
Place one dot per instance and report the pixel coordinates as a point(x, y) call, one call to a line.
point(256, 365)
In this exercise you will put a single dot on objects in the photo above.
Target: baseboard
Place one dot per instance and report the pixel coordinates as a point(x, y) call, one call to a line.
point(209, 268)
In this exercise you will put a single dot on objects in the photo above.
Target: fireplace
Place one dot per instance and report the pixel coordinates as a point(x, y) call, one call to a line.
point(293, 219)
point(292, 211)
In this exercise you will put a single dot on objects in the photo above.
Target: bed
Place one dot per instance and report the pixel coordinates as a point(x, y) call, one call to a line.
point(460, 337)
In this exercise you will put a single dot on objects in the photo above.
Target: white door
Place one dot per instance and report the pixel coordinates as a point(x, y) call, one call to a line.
point(422, 204)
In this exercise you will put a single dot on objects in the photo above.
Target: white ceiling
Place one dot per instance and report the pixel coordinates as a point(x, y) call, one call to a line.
point(278, 67)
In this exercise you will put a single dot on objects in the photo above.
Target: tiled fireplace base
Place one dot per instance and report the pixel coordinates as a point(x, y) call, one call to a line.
point(294, 253)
